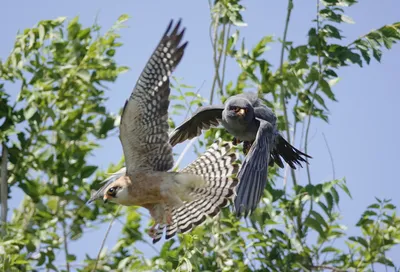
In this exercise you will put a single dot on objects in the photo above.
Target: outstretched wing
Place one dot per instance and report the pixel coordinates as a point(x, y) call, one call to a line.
point(217, 166)
point(253, 173)
point(204, 118)
point(144, 127)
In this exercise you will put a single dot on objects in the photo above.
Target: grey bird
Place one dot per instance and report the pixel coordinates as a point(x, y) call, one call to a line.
point(253, 123)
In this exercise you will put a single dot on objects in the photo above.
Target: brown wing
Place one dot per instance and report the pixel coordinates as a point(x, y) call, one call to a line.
point(144, 127)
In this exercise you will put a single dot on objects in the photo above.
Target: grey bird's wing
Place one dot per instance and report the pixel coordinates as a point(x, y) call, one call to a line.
point(281, 148)
point(144, 126)
point(253, 173)
point(204, 118)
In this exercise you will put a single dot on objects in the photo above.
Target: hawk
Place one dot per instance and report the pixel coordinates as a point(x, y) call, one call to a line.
point(248, 120)
point(177, 201)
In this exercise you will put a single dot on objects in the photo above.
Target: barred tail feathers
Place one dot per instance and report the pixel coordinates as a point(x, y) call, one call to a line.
point(218, 168)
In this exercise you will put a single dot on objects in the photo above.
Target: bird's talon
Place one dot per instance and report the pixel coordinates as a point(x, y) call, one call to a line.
point(152, 231)
point(235, 141)
point(246, 147)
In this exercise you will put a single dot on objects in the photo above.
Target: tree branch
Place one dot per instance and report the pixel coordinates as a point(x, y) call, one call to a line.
point(65, 236)
point(330, 155)
point(4, 186)
point(325, 267)
point(105, 237)
point(315, 91)
point(283, 89)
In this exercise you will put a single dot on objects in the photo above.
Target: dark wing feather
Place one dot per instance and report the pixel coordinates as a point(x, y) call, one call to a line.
point(144, 127)
point(281, 148)
point(203, 118)
point(253, 173)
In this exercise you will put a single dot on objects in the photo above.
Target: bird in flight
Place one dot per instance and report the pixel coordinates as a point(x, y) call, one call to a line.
point(253, 123)
point(177, 201)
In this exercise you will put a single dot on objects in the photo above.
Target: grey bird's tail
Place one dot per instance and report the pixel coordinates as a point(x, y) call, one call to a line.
point(218, 168)
point(289, 153)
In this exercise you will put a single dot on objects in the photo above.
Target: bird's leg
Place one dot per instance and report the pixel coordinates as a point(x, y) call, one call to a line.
point(236, 141)
point(152, 231)
point(246, 147)
point(168, 215)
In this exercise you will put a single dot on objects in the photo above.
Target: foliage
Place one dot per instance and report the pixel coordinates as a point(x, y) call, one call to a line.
point(49, 132)
point(59, 116)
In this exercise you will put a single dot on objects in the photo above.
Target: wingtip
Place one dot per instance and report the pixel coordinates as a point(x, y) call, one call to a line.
point(169, 27)
point(175, 29)
point(243, 211)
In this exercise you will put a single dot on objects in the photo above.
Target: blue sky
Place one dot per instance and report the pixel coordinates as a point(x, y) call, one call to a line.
point(362, 133)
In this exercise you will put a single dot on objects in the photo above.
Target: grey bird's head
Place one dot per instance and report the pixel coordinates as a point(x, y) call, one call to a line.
point(239, 109)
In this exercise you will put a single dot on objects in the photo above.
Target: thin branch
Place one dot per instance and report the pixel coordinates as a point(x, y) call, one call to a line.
point(4, 186)
point(214, 46)
point(310, 113)
point(144, 241)
point(184, 152)
point(307, 132)
point(330, 155)
point(188, 104)
point(254, 247)
point(105, 238)
point(319, 267)
point(283, 89)
point(225, 56)
point(217, 61)
point(65, 236)
point(315, 91)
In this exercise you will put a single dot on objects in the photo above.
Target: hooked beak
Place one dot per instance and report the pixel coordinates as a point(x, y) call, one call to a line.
point(106, 198)
point(241, 112)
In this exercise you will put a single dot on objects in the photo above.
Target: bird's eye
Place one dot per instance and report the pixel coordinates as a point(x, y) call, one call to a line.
point(112, 191)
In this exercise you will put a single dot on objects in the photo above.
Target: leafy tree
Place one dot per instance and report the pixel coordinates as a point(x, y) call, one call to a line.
point(59, 116)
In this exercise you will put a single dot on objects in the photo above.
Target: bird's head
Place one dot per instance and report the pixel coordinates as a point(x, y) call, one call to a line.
point(239, 108)
point(115, 191)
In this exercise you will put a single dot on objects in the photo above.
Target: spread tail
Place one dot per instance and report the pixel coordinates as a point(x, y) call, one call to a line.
point(218, 169)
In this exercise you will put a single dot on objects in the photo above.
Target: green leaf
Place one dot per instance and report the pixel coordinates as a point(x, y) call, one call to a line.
point(389, 206)
point(319, 218)
point(374, 206)
point(330, 249)
point(88, 170)
point(359, 240)
point(335, 195)
point(84, 75)
point(325, 87)
point(347, 19)
point(29, 112)
point(123, 18)
point(315, 225)
point(71, 258)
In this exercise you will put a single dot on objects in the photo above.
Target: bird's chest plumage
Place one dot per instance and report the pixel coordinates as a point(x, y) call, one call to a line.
point(144, 188)
point(244, 131)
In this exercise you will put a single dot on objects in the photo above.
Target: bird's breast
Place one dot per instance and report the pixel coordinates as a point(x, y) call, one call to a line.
point(144, 189)
point(241, 130)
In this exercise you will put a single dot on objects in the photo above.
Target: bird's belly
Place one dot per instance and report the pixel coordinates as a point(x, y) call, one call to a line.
point(242, 133)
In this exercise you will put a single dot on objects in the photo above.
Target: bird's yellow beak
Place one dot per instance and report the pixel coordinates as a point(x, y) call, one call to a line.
point(106, 198)
point(241, 112)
